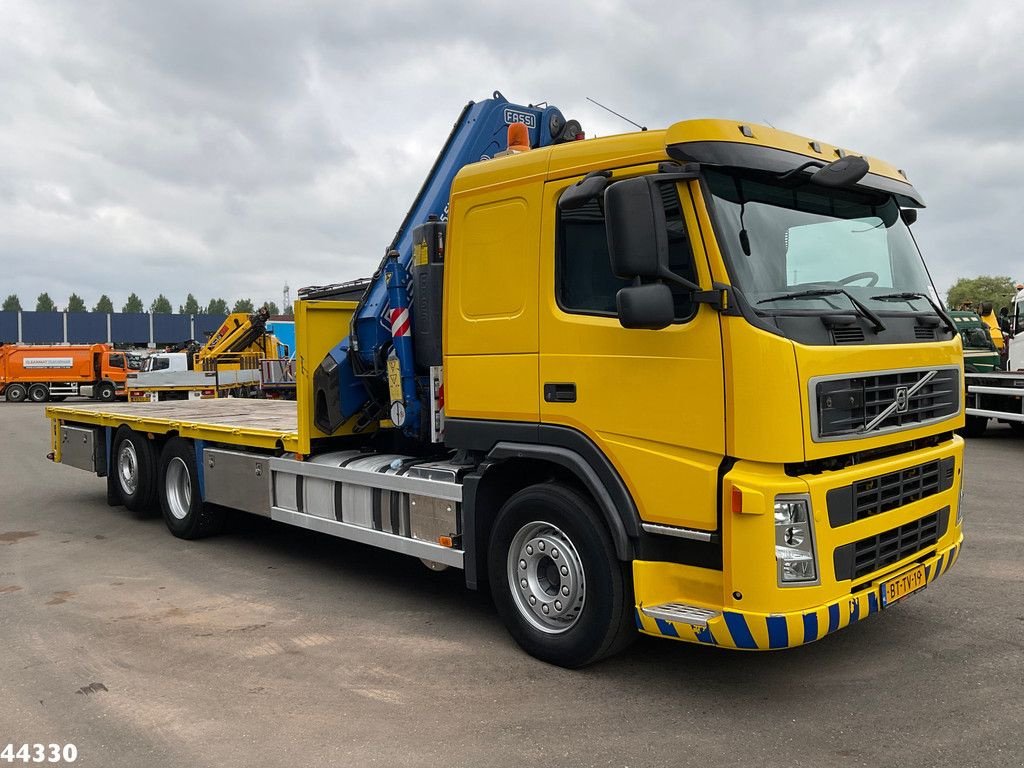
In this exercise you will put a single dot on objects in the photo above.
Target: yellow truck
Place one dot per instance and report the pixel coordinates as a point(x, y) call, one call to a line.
point(694, 383)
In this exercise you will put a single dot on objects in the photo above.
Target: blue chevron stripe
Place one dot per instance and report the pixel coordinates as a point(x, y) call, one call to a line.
point(739, 630)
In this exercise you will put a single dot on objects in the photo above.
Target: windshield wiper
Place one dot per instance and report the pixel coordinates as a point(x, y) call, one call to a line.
point(908, 295)
point(817, 293)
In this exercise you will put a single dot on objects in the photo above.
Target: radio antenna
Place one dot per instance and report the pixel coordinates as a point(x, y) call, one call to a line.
point(602, 106)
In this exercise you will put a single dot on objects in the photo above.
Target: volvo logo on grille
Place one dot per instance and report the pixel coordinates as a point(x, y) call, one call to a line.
point(902, 399)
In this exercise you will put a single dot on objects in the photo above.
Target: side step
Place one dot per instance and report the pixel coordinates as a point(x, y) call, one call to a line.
point(423, 549)
point(681, 614)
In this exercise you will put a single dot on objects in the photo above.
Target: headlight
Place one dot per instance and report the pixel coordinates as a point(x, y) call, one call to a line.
point(794, 541)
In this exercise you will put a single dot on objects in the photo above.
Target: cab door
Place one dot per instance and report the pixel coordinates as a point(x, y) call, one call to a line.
point(652, 401)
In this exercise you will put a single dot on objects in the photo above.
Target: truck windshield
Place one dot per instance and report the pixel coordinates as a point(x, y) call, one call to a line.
point(784, 240)
point(977, 338)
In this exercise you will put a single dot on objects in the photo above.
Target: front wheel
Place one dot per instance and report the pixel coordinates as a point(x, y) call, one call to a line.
point(555, 579)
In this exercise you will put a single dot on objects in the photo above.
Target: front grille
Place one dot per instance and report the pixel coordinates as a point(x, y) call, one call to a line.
point(875, 495)
point(864, 557)
point(846, 407)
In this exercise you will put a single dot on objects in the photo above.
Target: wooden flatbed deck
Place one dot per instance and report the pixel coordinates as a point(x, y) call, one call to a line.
point(235, 421)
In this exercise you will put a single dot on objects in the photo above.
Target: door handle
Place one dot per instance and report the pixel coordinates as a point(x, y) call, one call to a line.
point(560, 392)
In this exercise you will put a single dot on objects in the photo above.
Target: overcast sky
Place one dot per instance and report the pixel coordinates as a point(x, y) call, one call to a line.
point(230, 148)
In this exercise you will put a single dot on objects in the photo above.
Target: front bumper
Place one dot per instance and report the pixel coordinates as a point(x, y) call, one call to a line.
point(745, 630)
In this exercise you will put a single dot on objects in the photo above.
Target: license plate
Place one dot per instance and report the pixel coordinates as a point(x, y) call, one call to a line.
point(900, 586)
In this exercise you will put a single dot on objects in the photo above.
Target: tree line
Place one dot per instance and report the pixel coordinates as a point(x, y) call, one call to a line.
point(161, 305)
point(997, 290)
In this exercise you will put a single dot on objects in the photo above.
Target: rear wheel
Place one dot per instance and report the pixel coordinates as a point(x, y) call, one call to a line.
point(16, 393)
point(105, 392)
point(181, 501)
point(38, 393)
point(555, 579)
point(135, 471)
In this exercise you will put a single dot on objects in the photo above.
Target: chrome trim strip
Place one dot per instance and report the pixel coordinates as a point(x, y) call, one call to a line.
point(435, 489)
point(682, 533)
point(402, 544)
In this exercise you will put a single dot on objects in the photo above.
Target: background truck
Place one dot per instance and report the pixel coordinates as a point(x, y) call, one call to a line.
point(229, 364)
point(40, 372)
point(999, 395)
point(980, 353)
point(690, 382)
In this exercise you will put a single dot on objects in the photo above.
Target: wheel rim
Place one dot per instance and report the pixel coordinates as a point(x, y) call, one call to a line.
point(545, 577)
point(179, 488)
point(128, 467)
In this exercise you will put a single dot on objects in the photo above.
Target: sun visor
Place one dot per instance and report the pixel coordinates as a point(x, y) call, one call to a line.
point(760, 158)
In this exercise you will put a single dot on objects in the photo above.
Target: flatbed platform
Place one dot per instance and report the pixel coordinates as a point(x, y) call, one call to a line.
point(235, 421)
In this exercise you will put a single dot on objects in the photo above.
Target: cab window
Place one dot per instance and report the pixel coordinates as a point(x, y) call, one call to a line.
point(116, 361)
point(584, 282)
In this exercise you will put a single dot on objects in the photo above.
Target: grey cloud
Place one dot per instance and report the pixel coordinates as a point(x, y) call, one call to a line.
point(226, 148)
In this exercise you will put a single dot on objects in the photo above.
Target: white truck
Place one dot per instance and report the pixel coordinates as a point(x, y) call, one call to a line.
point(167, 376)
point(1000, 395)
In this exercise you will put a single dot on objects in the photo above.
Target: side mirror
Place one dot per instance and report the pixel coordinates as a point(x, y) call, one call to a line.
point(635, 224)
point(844, 172)
point(909, 215)
point(649, 307)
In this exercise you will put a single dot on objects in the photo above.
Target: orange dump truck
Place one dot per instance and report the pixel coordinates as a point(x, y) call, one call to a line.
point(41, 372)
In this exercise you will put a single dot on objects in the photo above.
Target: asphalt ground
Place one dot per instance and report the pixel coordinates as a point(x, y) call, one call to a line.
point(273, 646)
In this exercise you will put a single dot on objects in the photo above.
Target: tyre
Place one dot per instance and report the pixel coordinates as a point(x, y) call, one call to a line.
point(16, 393)
point(105, 392)
point(38, 393)
point(555, 579)
point(134, 470)
point(181, 501)
point(1017, 427)
point(975, 426)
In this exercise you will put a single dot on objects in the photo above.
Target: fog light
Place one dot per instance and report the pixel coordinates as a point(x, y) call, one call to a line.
point(794, 541)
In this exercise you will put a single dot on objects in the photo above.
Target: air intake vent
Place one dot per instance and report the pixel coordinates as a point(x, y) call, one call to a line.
point(864, 557)
point(850, 334)
point(877, 495)
point(924, 334)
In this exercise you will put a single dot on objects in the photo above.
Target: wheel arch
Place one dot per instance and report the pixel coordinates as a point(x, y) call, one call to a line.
point(510, 467)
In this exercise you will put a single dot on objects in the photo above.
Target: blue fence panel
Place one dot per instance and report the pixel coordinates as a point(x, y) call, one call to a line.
point(129, 328)
point(169, 329)
point(87, 328)
point(8, 327)
point(42, 327)
point(207, 325)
